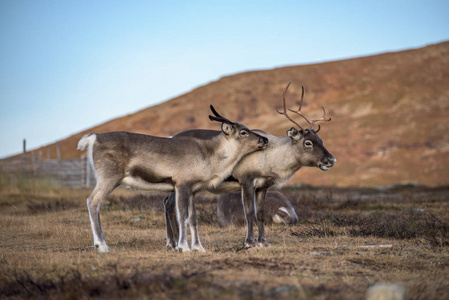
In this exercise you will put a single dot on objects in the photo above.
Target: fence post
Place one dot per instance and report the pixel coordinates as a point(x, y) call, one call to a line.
point(33, 162)
point(39, 164)
point(48, 152)
point(58, 151)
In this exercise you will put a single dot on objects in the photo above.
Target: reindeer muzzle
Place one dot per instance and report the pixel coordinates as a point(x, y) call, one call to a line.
point(263, 142)
point(327, 163)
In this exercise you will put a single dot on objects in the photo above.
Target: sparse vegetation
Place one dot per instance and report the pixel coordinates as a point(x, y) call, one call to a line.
point(45, 247)
point(23, 183)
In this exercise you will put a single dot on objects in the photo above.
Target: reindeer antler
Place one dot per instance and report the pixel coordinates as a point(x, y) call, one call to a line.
point(299, 112)
point(218, 117)
point(285, 108)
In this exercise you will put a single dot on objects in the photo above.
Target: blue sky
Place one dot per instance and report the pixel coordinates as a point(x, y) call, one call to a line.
point(66, 66)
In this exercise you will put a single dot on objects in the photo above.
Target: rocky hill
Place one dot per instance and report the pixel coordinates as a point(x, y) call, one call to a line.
point(389, 114)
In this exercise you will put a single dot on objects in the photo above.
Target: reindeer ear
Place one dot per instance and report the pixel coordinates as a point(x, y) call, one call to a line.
point(227, 128)
point(294, 134)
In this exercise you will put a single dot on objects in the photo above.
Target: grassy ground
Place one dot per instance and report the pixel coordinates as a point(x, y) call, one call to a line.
point(45, 237)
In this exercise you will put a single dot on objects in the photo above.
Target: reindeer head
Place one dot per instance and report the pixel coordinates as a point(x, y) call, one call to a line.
point(310, 150)
point(239, 133)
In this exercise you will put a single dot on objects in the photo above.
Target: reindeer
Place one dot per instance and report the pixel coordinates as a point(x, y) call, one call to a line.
point(185, 165)
point(261, 170)
point(278, 209)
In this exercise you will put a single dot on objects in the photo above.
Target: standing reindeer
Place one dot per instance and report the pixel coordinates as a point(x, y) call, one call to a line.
point(260, 170)
point(185, 165)
point(278, 209)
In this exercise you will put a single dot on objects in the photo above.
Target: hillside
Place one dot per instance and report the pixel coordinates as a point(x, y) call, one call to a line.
point(389, 114)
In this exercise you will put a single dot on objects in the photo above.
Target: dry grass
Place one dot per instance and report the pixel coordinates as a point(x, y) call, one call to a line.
point(45, 253)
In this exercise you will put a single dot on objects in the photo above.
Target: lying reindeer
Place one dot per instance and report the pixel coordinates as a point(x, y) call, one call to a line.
point(260, 170)
point(185, 165)
point(278, 209)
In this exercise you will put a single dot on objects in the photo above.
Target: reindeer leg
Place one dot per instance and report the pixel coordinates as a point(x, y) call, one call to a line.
point(193, 224)
point(171, 224)
point(260, 219)
point(250, 213)
point(183, 193)
point(102, 189)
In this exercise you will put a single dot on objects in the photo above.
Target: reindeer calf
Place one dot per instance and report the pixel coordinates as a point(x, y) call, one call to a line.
point(278, 209)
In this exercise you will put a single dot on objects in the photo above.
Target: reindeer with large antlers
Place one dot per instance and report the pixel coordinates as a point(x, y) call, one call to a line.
point(185, 165)
point(261, 170)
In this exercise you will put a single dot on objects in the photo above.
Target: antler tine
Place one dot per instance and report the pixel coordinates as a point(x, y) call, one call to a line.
point(285, 108)
point(212, 108)
point(302, 97)
point(311, 122)
point(323, 118)
point(299, 112)
point(218, 117)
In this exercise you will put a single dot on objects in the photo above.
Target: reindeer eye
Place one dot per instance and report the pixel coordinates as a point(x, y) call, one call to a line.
point(308, 144)
point(243, 133)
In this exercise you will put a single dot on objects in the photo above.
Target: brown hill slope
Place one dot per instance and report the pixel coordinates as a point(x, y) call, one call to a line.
point(389, 114)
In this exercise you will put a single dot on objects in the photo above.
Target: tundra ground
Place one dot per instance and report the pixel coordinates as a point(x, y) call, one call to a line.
point(45, 252)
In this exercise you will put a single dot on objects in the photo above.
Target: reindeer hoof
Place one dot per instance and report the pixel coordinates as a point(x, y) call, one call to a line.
point(183, 249)
point(102, 248)
point(263, 242)
point(198, 248)
point(170, 247)
point(247, 245)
